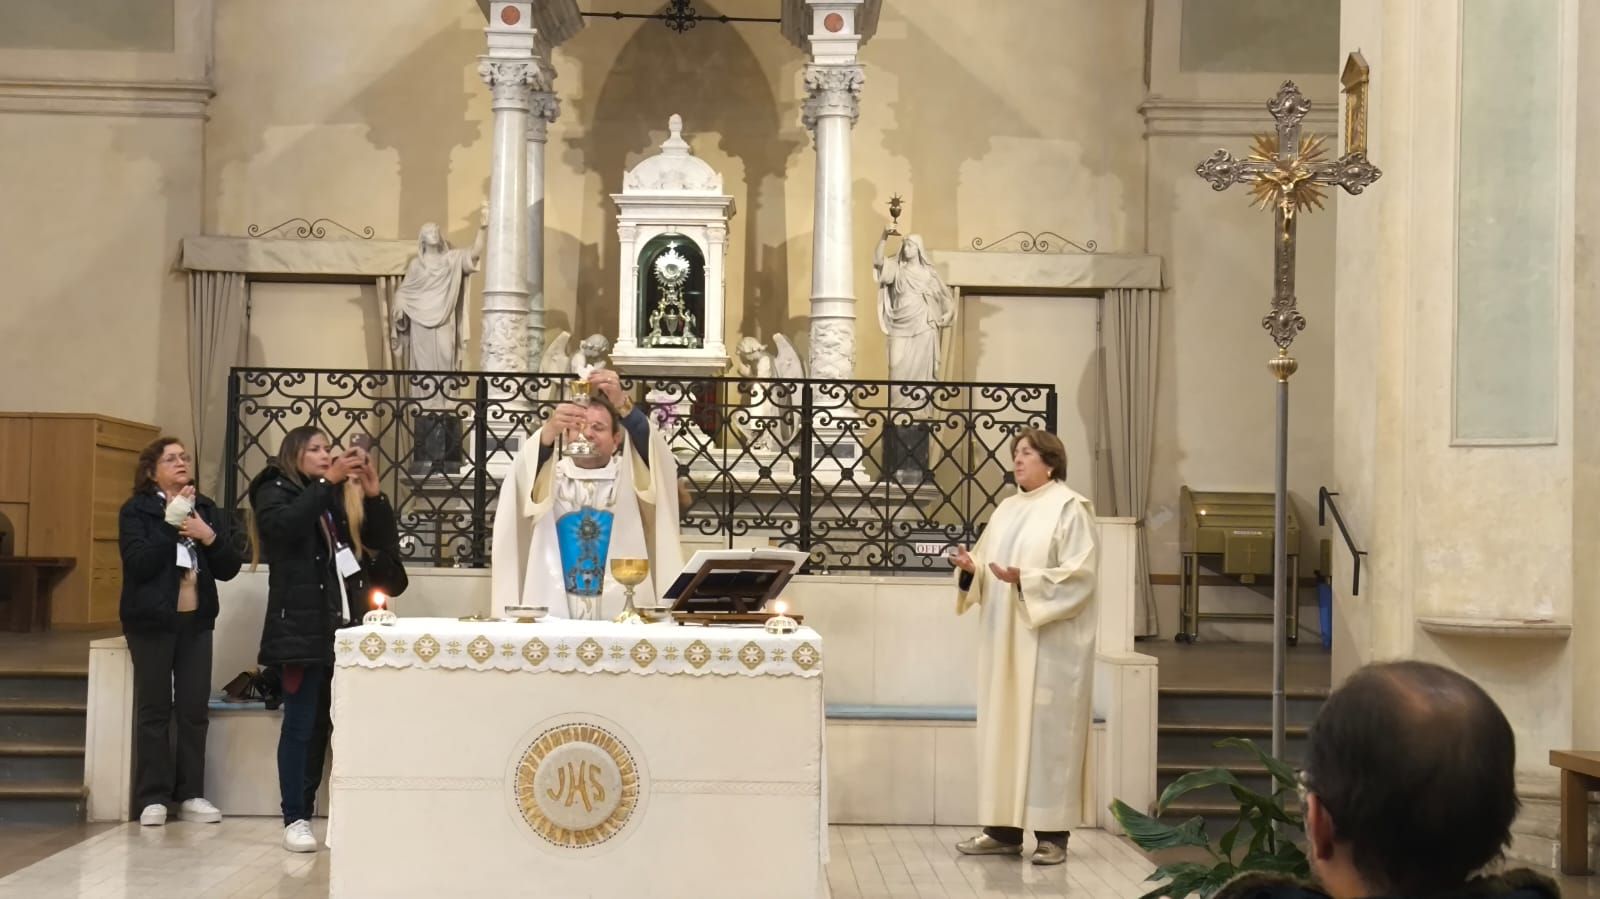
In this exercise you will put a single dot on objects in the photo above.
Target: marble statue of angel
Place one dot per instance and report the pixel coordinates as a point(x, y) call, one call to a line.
point(760, 421)
point(555, 361)
point(787, 366)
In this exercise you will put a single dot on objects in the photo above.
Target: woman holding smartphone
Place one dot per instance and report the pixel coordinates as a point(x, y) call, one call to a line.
point(175, 547)
point(329, 538)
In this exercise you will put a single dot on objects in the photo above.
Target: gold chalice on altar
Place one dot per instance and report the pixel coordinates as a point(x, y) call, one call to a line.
point(629, 573)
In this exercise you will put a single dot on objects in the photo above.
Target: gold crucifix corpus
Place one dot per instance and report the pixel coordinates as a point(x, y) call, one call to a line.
point(1286, 171)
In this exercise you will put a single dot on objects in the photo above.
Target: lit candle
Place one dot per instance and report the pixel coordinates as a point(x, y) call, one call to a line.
point(780, 607)
point(780, 622)
point(379, 614)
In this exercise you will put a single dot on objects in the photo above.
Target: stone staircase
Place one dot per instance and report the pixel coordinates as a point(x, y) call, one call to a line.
point(1191, 719)
point(43, 714)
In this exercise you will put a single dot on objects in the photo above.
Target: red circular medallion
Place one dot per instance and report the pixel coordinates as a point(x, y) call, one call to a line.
point(510, 15)
point(833, 22)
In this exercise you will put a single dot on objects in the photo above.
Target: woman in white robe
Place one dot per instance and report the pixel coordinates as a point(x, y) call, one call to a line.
point(1032, 577)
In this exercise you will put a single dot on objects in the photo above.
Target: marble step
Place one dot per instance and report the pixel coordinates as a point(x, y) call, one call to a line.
point(32, 762)
point(52, 802)
point(43, 684)
point(1196, 743)
point(43, 721)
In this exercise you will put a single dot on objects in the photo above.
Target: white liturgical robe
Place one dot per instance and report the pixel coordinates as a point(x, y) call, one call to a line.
point(525, 565)
point(1036, 659)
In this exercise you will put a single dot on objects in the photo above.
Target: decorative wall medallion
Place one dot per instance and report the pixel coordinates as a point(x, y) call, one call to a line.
point(578, 785)
point(510, 15)
point(833, 22)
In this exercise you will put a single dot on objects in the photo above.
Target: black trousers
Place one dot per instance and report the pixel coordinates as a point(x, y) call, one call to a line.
point(171, 674)
point(1013, 835)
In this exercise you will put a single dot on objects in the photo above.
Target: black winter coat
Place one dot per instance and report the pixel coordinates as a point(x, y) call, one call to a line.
point(150, 571)
point(303, 602)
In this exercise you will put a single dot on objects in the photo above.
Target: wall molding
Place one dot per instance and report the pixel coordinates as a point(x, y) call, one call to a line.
point(138, 99)
point(1177, 117)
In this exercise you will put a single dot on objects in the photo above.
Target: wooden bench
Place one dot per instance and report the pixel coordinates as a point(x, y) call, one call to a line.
point(1580, 773)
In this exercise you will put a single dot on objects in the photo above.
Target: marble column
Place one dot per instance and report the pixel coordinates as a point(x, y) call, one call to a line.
point(542, 113)
point(832, 104)
point(511, 81)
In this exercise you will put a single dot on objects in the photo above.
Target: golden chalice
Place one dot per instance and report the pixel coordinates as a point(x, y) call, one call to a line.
point(580, 446)
point(629, 573)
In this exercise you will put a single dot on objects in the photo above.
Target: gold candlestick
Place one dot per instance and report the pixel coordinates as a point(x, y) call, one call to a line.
point(629, 573)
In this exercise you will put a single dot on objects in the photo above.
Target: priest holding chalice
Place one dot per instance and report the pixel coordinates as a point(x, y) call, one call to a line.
point(597, 483)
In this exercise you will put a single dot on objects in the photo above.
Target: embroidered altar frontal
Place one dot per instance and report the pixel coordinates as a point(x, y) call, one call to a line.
point(566, 646)
point(576, 758)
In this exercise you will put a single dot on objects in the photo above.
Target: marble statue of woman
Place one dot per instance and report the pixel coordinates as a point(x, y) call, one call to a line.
point(914, 307)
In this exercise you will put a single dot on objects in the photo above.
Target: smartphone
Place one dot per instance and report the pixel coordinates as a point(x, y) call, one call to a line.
point(362, 442)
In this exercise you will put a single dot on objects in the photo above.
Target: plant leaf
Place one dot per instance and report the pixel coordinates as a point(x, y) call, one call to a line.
point(1225, 845)
point(1289, 859)
point(1186, 878)
point(1284, 775)
point(1152, 835)
point(1217, 879)
point(1195, 780)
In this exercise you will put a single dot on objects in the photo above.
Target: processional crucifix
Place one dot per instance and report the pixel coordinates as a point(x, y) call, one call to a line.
point(1286, 172)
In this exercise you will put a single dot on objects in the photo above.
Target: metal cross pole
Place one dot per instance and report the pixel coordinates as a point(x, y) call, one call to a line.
point(1286, 171)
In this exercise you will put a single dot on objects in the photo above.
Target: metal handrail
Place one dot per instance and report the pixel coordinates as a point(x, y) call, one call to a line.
point(1325, 502)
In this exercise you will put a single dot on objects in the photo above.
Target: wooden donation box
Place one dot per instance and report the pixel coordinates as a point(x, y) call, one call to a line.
point(576, 758)
point(1233, 532)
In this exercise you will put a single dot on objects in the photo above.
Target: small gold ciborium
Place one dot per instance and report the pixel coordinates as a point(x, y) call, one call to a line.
point(629, 573)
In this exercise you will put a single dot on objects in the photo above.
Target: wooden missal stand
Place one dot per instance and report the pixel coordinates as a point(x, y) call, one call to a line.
point(732, 586)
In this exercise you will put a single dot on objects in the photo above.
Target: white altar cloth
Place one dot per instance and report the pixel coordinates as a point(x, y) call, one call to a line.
point(576, 759)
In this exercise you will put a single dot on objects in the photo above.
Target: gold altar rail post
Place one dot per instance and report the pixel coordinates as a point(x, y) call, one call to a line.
point(1286, 171)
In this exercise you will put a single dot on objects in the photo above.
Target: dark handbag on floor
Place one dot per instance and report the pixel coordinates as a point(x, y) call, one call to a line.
point(262, 685)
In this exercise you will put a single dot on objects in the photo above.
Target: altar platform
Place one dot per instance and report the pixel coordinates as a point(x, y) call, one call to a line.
point(576, 758)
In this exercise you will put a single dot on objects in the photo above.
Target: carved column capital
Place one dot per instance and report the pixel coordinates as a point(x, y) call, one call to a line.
point(543, 110)
point(511, 81)
point(832, 90)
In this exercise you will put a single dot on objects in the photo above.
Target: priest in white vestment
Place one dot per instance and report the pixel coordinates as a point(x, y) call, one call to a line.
point(619, 503)
point(1032, 578)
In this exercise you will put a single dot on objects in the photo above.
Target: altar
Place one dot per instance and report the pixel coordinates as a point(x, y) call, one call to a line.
point(576, 758)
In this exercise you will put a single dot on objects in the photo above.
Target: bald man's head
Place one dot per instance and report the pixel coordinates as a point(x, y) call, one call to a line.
point(1415, 765)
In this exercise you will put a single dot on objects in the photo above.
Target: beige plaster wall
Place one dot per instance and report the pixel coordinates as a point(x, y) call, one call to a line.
point(1215, 419)
point(1464, 531)
point(1024, 117)
point(100, 176)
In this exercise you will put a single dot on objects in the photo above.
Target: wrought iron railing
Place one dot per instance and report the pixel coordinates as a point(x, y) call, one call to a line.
point(863, 475)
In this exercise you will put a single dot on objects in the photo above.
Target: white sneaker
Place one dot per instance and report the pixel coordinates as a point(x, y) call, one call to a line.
point(199, 810)
point(154, 815)
point(297, 837)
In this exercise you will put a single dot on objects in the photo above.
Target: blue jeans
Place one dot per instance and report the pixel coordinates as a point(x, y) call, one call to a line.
point(303, 741)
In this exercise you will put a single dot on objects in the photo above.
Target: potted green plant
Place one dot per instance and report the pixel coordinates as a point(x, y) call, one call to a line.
point(1265, 838)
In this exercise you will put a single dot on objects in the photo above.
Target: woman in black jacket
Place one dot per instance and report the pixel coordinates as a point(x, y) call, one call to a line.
point(328, 544)
point(175, 548)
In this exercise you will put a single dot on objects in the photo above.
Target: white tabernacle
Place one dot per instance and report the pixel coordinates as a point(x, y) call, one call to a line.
point(576, 758)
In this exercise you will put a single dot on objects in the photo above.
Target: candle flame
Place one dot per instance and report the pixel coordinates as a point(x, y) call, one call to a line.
point(780, 607)
point(378, 599)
